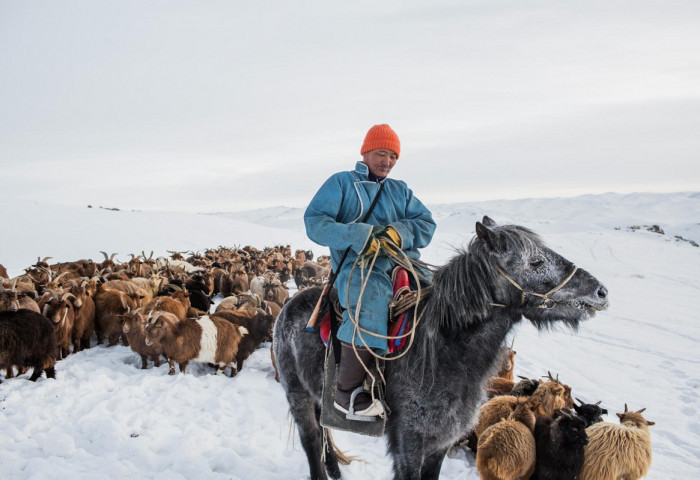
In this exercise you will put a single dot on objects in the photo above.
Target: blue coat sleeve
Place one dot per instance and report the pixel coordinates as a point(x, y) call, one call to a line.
point(417, 227)
point(322, 215)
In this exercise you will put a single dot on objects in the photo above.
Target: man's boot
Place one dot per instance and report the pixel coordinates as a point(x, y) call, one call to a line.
point(350, 398)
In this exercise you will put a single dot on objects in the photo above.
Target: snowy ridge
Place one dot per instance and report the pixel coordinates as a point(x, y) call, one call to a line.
point(104, 418)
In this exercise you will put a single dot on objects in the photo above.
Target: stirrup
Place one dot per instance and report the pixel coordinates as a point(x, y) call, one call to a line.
point(370, 414)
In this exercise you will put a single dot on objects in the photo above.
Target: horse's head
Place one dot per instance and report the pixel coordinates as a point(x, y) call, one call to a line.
point(535, 280)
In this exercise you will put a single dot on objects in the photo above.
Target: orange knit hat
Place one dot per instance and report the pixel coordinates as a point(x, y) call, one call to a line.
point(381, 136)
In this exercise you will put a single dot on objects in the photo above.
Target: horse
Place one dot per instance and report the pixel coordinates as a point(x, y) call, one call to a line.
point(434, 390)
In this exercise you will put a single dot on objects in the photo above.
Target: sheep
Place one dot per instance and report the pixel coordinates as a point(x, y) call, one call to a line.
point(258, 327)
point(206, 339)
point(134, 327)
point(618, 451)
point(27, 339)
point(560, 443)
point(60, 311)
point(589, 412)
point(506, 450)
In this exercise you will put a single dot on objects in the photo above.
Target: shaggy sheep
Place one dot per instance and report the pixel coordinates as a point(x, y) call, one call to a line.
point(27, 339)
point(618, 451)
point(506, 450)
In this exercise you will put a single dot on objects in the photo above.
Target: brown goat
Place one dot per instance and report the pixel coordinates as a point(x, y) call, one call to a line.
point(110, 305)
point(57, 307)
point(84, 307)
point(177, 306)
point(206, 339)
point(507, 450)
point(134, 327)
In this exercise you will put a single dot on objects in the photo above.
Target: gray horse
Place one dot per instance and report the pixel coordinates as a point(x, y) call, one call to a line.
point(433, 391)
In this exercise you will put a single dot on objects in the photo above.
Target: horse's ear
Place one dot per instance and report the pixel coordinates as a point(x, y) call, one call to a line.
point(488, 221)
point(494, 241)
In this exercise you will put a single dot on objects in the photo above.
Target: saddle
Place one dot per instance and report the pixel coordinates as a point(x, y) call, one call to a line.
point(399, 321)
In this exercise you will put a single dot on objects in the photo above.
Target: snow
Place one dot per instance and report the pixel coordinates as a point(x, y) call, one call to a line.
point(104, 418)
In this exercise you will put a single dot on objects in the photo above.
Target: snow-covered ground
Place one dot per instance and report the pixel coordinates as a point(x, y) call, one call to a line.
point(104, 418)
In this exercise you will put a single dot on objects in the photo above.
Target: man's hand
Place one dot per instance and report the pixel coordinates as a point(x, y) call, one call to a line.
point(382, 239)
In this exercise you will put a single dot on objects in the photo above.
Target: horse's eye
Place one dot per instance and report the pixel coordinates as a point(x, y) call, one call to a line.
point(536, 263)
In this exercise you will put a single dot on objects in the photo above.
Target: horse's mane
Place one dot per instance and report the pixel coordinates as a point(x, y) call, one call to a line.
point(463, 289)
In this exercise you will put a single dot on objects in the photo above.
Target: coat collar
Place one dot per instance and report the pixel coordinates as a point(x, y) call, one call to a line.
point(365, 175)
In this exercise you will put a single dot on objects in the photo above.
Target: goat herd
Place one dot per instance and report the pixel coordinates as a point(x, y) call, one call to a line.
point(161, 307)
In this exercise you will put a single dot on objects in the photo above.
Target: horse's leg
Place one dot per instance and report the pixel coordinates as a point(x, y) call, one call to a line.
point(432, 465)
point(331, 459)
point(305, 414)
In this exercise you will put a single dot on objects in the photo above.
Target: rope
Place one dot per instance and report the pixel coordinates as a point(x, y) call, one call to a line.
point(399, 257)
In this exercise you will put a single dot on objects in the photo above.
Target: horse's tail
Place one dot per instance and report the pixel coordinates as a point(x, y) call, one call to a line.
point(343, 459)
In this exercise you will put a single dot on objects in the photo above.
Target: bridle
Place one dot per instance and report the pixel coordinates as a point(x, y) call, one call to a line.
point(546, 301)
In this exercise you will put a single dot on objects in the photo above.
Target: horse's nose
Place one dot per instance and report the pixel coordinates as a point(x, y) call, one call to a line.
point(602, 292)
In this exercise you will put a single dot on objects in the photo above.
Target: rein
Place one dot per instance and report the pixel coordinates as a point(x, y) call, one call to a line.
point(546, 301)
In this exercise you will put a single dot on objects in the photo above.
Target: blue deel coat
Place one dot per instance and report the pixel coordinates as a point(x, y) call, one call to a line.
point(334, 219)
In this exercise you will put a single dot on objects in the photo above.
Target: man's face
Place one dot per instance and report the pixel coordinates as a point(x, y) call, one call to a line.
point(380, 162)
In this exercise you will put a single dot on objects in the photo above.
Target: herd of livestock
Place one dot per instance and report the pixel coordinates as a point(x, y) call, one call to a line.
point(163, 308)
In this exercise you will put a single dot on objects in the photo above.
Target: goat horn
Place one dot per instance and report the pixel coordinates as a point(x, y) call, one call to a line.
point(66, 296)
point(599, 402)
point(625, 408)
point(43, 260)
point(13, 285)
point(111, 257)
point(640, 411)
point(579, 400)
point(512, 343)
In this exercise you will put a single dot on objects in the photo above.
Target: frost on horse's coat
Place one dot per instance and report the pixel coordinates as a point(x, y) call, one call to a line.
point(433, 391)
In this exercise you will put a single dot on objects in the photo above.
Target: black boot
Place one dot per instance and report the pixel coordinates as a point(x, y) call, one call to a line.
point(350, 398)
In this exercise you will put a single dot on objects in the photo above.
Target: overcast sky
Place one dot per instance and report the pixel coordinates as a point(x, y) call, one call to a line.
point(200, 105)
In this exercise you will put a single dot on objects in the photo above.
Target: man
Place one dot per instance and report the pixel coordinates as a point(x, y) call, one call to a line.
point(334, 219)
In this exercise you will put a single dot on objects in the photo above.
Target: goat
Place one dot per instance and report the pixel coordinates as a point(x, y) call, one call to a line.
point(15, 298)
point(134, 327)
point(506, 450)
point(60, 311)
point(275, 291)
point(27, 339)
point(110, 305)
point(618, 451)
point(545, 401)
point(84, 321)
point(206, 339)
point(560, 442)
point(178, 306)
point(590, 412)
point(259, 330)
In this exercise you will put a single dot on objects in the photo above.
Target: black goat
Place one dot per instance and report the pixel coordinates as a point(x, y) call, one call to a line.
point(560, 443)
point(590, 412)
point(27, 339)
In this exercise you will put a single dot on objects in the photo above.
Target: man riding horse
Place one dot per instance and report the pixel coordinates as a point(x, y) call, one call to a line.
point(398, 221)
